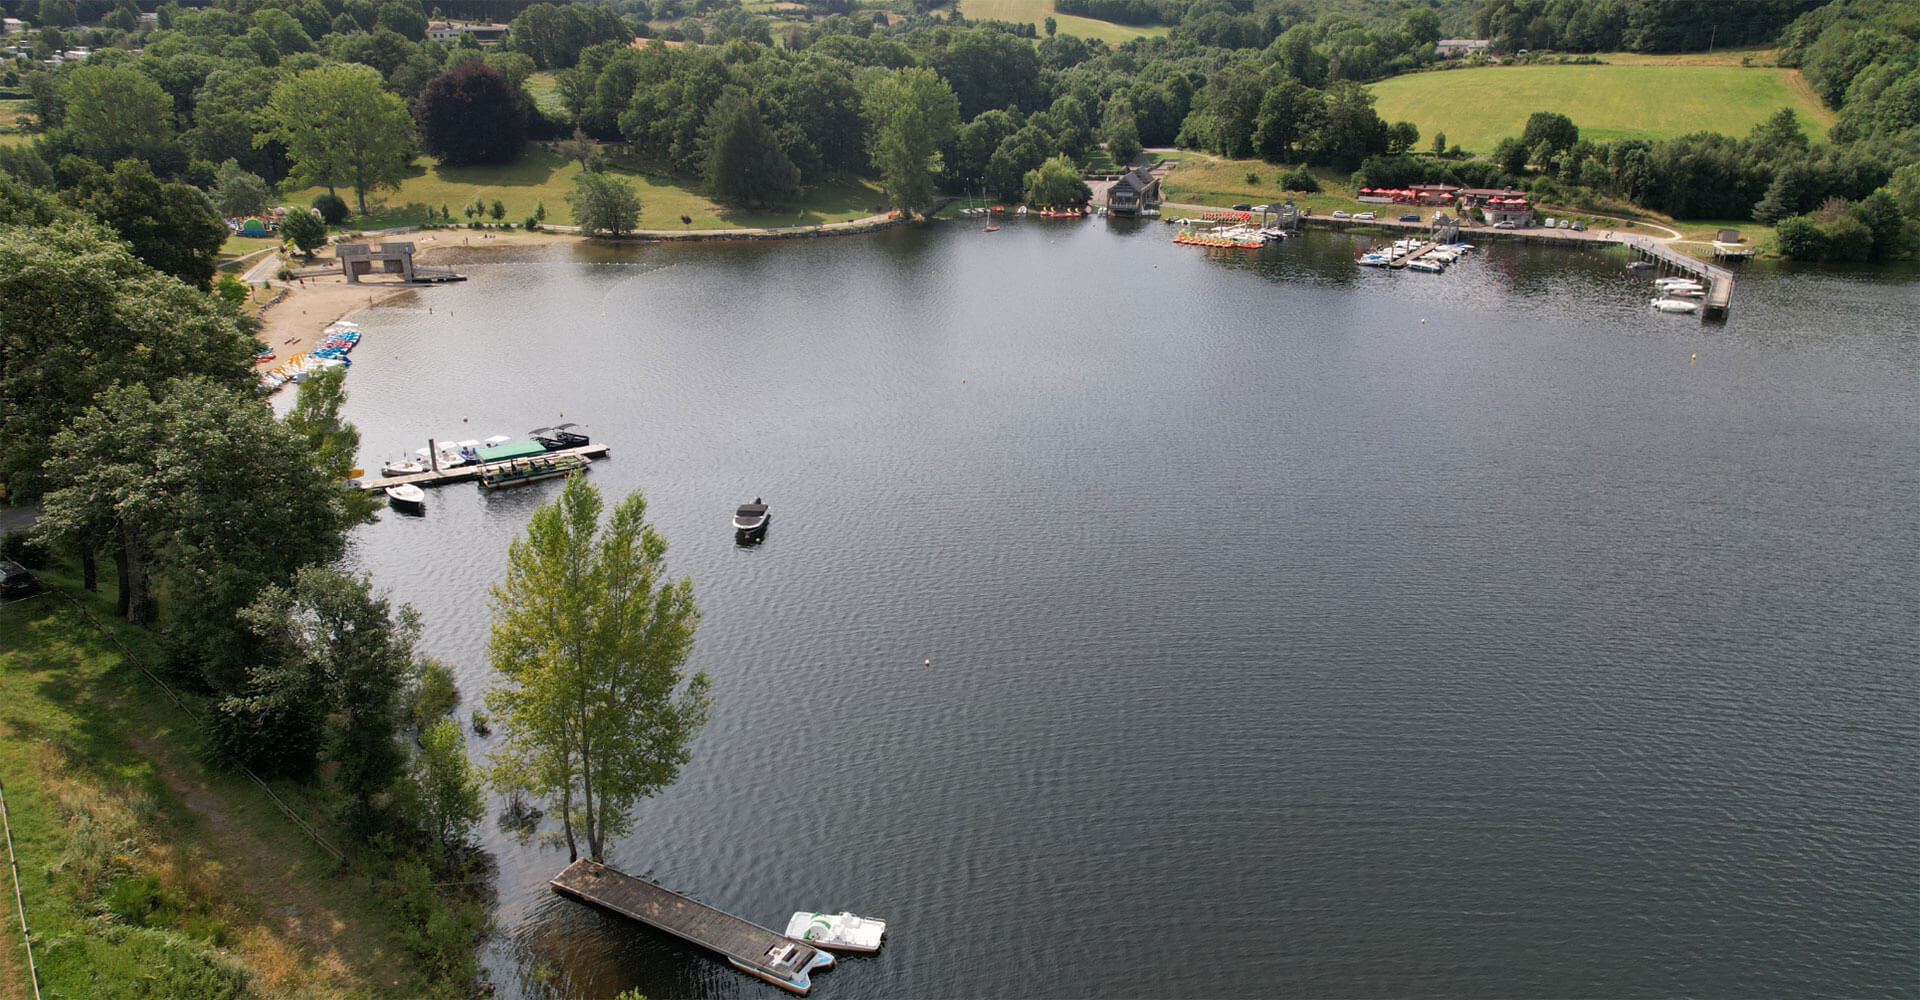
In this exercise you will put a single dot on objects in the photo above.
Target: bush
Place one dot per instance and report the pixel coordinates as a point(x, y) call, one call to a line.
point(1299, 179)
point(23, 549)
point(332, 208)
point(531, 224)
point(433, 695)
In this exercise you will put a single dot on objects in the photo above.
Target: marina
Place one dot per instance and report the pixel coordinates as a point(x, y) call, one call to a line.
point(462, 473)
point(751, 948)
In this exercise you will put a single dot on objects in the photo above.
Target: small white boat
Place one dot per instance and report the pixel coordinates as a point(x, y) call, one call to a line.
point(1429, 266)
point(407, 496)
point(1676, 283)
point(405, 467)
point(1675, 305)
point(838, 931)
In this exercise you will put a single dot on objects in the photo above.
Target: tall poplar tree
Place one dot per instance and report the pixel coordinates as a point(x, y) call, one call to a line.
point(590, 637)
point(913, 113)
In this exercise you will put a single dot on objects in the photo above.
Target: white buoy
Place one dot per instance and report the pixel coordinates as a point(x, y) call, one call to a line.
point(928, 663)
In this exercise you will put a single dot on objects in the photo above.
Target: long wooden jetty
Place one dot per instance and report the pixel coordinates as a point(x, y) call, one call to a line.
point(462, 473)
point(1718, 280)
point(752, 948)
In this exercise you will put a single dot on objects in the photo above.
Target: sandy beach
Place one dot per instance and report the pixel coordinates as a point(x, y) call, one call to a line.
point(293, 324)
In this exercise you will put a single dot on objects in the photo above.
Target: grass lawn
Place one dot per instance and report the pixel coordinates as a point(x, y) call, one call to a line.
point(543, 177)
point(1221, 182)
point(146, 872)
point(14, 138)
point(544, 88)
point(1036, 12)
point(1476, 108)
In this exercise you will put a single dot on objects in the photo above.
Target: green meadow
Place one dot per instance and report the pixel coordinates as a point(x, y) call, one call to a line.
point(1036, 12)
point(541, 177)
point(1476, 108)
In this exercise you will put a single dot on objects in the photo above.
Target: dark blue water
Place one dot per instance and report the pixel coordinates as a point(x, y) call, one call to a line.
point(1296, 629)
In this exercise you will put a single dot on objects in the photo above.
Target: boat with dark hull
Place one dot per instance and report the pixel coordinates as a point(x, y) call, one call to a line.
point(522, 471)
point(750, 521)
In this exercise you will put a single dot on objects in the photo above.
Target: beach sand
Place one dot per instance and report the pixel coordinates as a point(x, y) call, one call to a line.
point(294, 323)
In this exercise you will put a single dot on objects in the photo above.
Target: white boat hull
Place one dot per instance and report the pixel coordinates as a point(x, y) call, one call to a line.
point(838, 931)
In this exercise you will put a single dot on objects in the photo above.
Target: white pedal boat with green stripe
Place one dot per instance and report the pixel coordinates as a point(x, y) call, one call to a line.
point(838, 931)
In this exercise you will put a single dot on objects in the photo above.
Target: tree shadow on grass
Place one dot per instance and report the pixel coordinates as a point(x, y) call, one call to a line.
point(835, 201)
point(533, 168)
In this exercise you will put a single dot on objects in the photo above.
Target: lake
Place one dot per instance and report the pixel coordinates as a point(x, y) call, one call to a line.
point(1296, 629)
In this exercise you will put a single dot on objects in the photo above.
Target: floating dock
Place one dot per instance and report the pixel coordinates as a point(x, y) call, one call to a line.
point(462, 473)
point(776, 958)
point(1415, 254)
point(1718, 280)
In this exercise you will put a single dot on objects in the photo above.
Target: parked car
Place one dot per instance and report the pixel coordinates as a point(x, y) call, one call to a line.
point(1549, 222)
point(1338, 214)
point(1409, 218)
point(1505, 224)
point(15, 581)
point(1578, 228)
point(1564, 224)
point(1366, 215)
point(1243, 207)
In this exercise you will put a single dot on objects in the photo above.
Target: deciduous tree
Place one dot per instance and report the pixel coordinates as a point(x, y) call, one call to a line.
point(307, 230)
point(1057, 184)
point(170, 226)
point(913, 113)
point(470, 114)
point(590, 639)
point(603, 205)
point(341, 127)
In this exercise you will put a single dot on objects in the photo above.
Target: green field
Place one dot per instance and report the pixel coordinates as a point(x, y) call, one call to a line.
point(1476, 108)
point(542, 177)
point(1036, 12)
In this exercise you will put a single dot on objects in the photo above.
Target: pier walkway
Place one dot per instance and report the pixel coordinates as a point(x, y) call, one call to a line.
point(1412, 255)
point(1718, 280)
point(462, 473)
point(752, 948)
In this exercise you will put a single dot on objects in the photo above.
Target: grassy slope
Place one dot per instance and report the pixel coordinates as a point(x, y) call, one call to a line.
point(1476, 108)
point(78, 728)
point(543, 177)
point(1036, 12)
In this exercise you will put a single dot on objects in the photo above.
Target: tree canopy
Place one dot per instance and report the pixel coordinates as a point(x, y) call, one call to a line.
point(171, 226)
point(745, 164)
point(471, 114)
point(341, 128)
point(602, 204)
point(914, 113)
point(590, 639)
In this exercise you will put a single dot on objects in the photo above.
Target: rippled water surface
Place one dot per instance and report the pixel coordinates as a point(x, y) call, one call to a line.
point(1296, 628)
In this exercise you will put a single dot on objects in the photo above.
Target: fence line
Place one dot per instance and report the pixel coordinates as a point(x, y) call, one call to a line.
point(26, 937)
point(304, 826)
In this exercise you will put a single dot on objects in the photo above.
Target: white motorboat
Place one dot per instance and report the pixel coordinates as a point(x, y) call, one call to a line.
point(750, 521)
point(1429, 266)
point(1671, 283)
point(405, 467)
point(407, 496)
point(1666, 305)
point(838, 931)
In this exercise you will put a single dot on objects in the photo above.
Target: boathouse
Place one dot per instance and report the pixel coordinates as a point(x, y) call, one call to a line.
point(1137, 190)
point(359, 259)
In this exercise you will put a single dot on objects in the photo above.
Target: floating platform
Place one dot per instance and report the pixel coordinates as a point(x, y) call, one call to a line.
point(462, 473)
point(751, 948)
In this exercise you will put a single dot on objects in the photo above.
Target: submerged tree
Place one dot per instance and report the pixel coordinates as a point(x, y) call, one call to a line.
point(590, 638)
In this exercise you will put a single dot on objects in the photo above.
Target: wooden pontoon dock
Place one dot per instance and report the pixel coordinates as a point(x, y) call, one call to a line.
point(462, 473)
point(752, 948)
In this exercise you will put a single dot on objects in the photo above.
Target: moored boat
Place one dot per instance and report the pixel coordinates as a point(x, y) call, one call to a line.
point(1666, 305)
point(838, 931)
point(750, 521)
point(520, 471)
point(407, 496)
